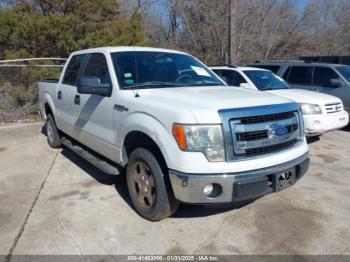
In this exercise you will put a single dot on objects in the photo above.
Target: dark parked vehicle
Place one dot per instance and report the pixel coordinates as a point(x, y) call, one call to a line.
point(333, 79)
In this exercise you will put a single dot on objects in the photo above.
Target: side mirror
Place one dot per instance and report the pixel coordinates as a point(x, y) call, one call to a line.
point(92, 85)
point(336, 83)
point(244, 85)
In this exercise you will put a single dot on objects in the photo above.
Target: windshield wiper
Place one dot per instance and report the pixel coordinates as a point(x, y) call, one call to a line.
point(146, 85)
point(274, 88)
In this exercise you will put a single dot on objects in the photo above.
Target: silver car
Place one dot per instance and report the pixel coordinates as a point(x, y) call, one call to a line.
point(333, 79)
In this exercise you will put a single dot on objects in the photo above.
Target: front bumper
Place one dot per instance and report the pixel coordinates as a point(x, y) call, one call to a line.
point(234, 187)
point(318, 124)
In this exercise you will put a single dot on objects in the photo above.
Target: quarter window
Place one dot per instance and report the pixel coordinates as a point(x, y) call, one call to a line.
point(300, 75)
point(97, 66)
point(70, 76)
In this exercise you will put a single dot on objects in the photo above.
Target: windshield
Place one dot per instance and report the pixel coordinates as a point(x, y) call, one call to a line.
point(345, 72)
point(160, 69)
point(265, 80)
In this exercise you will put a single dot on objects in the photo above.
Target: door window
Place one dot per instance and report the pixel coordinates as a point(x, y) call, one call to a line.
point(70, 76)
point(233, 78)
point(300, 75)
point(325, 76)
point(286, 73)
point(97, 66)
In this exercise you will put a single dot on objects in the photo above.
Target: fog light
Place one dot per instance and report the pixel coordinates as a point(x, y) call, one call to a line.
point(208, 189)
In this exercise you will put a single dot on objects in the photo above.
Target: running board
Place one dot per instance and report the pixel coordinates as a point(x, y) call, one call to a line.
point(90, 157)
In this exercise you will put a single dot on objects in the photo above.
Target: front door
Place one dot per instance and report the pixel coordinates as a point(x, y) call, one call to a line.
point(328, 81)
point(94, 125)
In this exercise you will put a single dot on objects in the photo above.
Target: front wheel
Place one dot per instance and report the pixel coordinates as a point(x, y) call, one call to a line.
point(149, 191)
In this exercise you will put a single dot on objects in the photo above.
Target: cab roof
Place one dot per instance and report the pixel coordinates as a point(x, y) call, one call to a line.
point(112, 49)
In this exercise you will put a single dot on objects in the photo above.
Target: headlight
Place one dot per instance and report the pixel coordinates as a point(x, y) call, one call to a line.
point(310, 109)
point(207, 139)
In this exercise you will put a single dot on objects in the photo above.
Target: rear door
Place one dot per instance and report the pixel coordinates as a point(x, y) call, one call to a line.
point(299, 77)
point(94, 126)
point(66, 92)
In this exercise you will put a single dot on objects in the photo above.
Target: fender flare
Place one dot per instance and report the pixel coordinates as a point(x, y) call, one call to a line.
point(151, 127)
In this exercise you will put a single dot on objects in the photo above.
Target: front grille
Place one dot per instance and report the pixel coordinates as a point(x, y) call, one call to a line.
point(252, 132)
point(250, 136)
point(266, 118)
point(269, 149)
point(333, 108)
point(262, 134)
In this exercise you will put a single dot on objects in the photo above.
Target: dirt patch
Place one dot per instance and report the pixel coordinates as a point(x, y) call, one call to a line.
point(329, 179)
point(175, 251)
point(83, 195)
point(287, 229)
point(5, 218)
point(2, 149)
point(327, 158)
point(90, 184)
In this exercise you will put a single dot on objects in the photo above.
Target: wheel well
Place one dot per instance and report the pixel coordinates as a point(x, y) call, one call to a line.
point(136, 139)
point(48, 110)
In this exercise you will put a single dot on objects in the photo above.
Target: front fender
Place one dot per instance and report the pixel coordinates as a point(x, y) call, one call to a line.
point(147, 124)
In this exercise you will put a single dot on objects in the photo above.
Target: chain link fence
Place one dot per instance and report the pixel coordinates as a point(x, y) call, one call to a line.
point(19, 86)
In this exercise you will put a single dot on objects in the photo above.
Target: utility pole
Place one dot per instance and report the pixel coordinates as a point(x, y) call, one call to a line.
point(232, 12)
point(229, 25)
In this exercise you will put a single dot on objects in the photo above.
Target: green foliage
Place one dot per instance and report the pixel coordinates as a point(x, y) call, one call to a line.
point(56, 28)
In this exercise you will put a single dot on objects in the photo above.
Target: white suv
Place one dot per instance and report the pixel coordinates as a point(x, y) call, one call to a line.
point(321, 112)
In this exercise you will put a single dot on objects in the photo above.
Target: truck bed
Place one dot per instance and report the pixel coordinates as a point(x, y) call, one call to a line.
point(47, 88)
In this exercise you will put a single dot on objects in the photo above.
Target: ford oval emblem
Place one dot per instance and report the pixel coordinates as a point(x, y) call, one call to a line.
point(280, 130)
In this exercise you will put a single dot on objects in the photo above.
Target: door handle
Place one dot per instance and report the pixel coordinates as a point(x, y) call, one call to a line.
point(59, 95)
point(77, 100)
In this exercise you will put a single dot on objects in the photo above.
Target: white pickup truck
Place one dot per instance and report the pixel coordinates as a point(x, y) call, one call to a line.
point(321, 112)
point(177, 130)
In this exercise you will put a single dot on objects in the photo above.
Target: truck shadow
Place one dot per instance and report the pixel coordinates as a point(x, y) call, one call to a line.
point(119, 183)
point(190, 211)
point(312, 139)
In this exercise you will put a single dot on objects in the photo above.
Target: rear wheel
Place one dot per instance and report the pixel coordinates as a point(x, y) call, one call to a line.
point(149, 191)
point(53, 137)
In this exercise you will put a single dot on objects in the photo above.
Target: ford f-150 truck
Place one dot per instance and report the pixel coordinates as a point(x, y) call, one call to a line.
point(177, 131)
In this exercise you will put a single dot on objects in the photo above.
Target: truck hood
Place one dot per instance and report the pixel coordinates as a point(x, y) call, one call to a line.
point(204, 102)
point(305, 96)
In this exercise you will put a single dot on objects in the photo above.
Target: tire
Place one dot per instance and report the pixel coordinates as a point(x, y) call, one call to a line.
point(149, 189)
point(53, 137)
